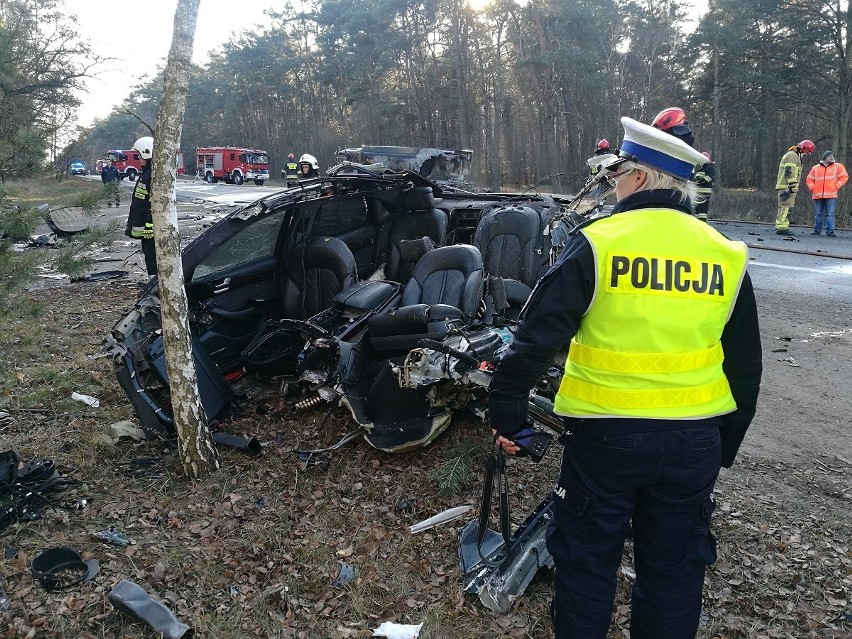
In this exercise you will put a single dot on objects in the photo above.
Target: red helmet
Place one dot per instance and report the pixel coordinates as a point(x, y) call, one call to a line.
point(669, 118)
point(291, 156)
point(707, 155)
point(806, 146)
point(603, 145)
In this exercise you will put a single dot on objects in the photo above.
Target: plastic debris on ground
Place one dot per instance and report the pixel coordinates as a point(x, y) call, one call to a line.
point(441, 518)
point(126, 428)
point(398, 630)
point(86, 399)
point(346, 574)
point(112, 536)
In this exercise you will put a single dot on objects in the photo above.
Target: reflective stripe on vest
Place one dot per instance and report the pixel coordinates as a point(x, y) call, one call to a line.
point(292, 171)
point(675, 292)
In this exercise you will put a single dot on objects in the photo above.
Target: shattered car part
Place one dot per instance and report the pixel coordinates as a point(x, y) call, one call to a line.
point(132, 599)
point(499, 586)
point(437, 165)
point(301, 289)
point(61, 568)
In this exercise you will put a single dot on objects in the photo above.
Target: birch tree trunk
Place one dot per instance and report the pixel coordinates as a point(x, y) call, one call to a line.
point(197, 451)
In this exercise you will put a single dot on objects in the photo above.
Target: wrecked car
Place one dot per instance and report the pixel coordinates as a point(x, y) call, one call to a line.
point(380, 292)
point(442, 166)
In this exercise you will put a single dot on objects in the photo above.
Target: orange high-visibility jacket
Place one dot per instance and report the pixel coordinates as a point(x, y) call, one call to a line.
point(825, 179)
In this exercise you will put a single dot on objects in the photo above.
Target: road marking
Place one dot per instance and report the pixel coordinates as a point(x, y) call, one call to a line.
point(845, 270)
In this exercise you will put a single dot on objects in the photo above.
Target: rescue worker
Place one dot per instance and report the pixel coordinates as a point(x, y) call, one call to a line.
point(672, 120)
point(653, 400)
point(703, 178)
point(787, 185)
point(601, 149)
point(824, 180)
point(112, 178)
point(291, 173)
point(140, 224)
point(308, 167)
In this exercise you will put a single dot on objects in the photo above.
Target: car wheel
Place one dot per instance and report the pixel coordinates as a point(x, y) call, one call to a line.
point(259, 182)
point(208, 177)
point(131, 174)
point(238, 178)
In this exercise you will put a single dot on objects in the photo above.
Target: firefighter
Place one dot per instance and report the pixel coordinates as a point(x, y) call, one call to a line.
point(291, 173)
point(672, 120)
point(787, 185)
point(654, 403)
point(703, 178)
point(140, 224)
point(601, 149)
point(308, 166)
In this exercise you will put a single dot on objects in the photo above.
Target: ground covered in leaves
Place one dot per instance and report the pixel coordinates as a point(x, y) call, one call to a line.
point(256, 550)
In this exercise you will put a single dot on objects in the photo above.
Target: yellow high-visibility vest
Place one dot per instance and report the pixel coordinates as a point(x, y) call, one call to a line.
point(649, 346)
point(292, 171)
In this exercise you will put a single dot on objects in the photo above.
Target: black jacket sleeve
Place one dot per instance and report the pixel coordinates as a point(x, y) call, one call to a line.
point(550, 319)
point(743, 366)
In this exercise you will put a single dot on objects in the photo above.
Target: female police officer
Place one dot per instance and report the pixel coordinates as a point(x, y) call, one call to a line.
point(659, 387)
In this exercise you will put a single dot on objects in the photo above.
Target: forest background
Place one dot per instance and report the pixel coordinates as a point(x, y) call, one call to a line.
point(529, 86)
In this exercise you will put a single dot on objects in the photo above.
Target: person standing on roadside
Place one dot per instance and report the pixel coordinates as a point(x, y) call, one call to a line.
point(824, 180)
point(787, 185)
point(111, 178)
point(292, 171)
point(140, 223)
point(703, 177)
point(659, 387)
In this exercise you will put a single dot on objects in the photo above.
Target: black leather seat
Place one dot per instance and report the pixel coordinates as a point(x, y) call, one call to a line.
point(445, 289)
point(314, 275)
point(509, 240)
point(417, 228)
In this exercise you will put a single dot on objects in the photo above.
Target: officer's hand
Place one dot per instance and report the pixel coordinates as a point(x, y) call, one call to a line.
point(508, 446)
point(794, 189)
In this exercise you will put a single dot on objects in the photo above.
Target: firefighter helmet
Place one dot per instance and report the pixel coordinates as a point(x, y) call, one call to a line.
point(145, 146)
point(669, 118)
point(806, 146)
point(307, 158)
point(603, 145)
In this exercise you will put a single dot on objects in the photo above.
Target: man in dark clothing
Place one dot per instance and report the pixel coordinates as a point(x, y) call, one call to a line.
point(660, 385)
point(140, 223)
point(703, 177)
point(111, 177)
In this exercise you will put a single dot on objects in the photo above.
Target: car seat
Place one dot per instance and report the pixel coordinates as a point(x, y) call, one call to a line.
point(314, 275)
point(509, 239)
point(415, 230)
point(445, 289)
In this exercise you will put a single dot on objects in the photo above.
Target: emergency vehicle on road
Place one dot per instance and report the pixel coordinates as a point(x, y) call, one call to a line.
point(129, 164)
point(233, 165)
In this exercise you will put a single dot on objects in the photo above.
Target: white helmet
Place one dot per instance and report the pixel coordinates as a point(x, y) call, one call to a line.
point(145, 146)
point(307, 158)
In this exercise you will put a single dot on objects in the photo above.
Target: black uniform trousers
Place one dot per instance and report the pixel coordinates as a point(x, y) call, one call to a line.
point(150, 253)
point(662, 481)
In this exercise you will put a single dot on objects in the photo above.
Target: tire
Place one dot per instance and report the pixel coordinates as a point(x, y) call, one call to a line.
point(131, 174)
point(237, 178)
point(208, 177)
point(259, 182)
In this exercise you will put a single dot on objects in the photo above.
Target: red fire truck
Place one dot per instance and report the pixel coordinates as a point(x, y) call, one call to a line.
point(129, 164)
point(233, 165)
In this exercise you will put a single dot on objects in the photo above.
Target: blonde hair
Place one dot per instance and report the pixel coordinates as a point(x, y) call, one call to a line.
point(658, 180)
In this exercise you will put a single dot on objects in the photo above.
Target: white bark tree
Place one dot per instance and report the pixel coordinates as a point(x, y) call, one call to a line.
point(197, 451)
